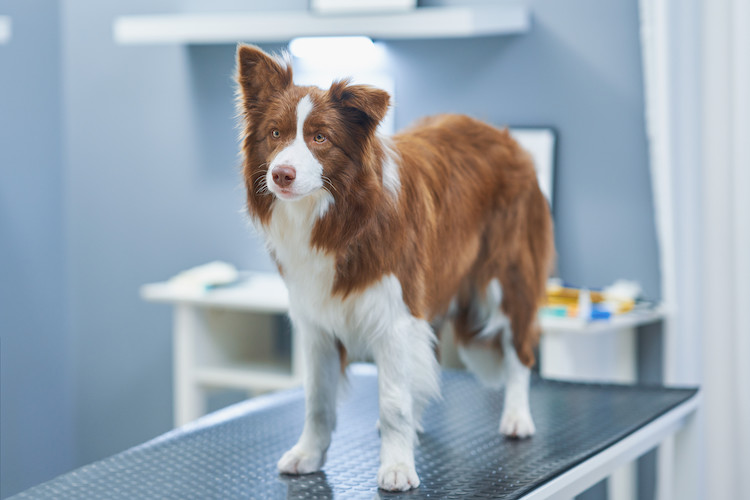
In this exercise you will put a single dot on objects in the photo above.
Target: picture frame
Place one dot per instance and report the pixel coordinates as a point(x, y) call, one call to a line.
point(541, 143)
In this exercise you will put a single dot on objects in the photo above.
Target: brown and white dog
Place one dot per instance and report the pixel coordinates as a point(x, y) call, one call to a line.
point(376, 237)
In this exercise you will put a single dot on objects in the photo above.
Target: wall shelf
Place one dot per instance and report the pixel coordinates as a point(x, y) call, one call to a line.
point(265, 27)
point(5, 29)
point(260, 378)
point(633, 319)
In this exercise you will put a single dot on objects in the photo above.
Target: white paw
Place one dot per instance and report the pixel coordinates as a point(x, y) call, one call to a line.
point(397, 477)
point(517, 423)
point(301, 461)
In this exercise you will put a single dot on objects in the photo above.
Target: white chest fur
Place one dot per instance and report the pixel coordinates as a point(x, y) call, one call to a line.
point(309, 275)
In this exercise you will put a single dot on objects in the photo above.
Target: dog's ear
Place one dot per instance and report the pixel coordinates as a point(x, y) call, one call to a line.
point(362, 104)
point(260, 75)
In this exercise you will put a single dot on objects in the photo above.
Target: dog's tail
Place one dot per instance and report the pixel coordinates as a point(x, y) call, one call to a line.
point(518, 254)
point(524, 275)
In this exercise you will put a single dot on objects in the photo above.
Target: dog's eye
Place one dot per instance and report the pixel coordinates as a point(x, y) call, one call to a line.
point(320, 138)
point(276, 134)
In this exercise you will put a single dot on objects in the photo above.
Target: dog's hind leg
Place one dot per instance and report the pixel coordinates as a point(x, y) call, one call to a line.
point(496, 369)
point(487, 349)
point(518, 343)
point(516, 420)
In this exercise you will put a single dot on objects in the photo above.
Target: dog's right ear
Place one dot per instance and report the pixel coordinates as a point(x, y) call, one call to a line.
point(260, 75)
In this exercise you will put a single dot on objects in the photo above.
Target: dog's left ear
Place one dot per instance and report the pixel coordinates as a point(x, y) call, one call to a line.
point(363, 104)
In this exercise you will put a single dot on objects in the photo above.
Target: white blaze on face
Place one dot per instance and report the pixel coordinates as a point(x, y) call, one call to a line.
point(297, 155)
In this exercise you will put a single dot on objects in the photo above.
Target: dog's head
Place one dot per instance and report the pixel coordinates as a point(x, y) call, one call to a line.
point(298, 141)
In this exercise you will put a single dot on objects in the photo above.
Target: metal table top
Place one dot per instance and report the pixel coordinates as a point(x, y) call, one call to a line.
point(232, 453)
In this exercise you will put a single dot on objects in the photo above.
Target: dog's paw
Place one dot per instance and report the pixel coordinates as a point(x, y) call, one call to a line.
point(397, 477)
point(301, 461)
point(517, 424)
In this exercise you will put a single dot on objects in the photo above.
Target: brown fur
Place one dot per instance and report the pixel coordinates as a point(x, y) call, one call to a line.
point(469, 208)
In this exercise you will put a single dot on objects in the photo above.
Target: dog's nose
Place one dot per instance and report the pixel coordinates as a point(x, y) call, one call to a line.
point(284, 175)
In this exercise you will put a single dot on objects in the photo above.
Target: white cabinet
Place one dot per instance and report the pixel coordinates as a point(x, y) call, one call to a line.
point(224, 339)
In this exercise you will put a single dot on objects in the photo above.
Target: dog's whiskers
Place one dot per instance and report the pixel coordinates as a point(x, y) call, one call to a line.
point(327, 182)
point(259, 180)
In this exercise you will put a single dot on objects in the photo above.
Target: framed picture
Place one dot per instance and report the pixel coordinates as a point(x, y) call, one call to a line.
point(540, 143)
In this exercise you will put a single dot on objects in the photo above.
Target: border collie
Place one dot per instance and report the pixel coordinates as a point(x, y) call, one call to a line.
point(378, 238)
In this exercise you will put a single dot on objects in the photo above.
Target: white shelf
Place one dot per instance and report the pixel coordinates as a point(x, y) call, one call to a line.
point(258, 377)
point(619, 322)
point(264, 292)
point(257, 292)
point(5, 29)
point(260, 27)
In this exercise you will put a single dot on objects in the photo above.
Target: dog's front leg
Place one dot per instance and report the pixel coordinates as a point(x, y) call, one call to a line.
point(321, 371)
point(397, 425)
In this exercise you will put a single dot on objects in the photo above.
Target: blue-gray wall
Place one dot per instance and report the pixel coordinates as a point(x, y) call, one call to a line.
point(148, 185)
point(36, 390)
point(578, 70)
point(152, 187)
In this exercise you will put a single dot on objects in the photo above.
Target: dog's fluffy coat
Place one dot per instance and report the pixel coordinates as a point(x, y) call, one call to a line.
point(376, 237)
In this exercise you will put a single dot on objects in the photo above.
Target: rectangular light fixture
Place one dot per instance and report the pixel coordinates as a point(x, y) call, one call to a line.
point(338, 48)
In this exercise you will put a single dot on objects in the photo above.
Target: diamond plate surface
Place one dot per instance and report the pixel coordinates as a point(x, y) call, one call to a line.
point(232, 454)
